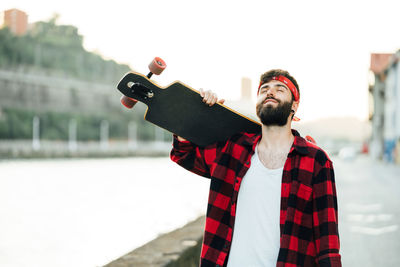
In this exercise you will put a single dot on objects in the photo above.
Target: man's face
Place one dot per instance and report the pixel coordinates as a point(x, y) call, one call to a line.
point(274, 103)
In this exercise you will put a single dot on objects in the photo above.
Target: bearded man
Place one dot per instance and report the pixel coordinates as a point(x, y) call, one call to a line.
point(272, 199)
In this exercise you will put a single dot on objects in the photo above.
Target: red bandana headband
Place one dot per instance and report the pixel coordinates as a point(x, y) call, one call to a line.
point(286, 81)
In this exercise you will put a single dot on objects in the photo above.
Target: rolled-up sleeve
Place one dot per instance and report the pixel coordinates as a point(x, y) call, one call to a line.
point(193, 157)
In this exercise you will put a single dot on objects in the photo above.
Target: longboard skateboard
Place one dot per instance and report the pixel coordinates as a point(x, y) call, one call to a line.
point(179, 108)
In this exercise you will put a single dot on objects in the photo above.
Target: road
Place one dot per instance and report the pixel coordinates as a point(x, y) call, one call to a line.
point(369, 212)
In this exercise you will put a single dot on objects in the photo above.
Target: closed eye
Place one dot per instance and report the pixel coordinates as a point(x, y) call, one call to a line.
point(281, 86)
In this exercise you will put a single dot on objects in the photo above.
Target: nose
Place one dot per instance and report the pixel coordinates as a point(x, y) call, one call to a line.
point(270, 93)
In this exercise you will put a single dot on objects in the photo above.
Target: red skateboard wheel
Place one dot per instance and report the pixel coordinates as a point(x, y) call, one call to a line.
point(157, 66)
point(128, 102)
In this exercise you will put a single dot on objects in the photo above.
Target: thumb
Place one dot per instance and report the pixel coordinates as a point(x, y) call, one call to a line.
point(221, 101)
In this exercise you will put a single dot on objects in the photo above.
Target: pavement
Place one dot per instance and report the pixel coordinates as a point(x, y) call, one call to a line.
point(369, 211)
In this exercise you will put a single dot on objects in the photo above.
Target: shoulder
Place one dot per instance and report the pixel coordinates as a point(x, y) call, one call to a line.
point(317, 151)
point(323, 165)
point(236, 140)
point(319, 155)
point(244, 138)
point(239, 142)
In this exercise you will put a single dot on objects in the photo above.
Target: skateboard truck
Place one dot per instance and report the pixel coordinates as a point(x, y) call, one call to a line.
point(141, 90)
point(156, 66)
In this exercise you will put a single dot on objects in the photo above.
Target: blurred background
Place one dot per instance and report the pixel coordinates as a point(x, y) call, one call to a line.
point(86, 182)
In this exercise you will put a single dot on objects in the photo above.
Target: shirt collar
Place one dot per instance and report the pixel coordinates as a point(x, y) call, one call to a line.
point(299, 144)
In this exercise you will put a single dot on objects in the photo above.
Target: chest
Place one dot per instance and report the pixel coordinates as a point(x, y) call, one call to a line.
point(273, 159)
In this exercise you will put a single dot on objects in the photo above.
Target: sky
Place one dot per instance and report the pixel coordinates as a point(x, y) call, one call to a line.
point(325, 45)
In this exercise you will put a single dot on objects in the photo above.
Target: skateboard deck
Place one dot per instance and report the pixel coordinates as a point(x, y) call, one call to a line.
point(179, 109)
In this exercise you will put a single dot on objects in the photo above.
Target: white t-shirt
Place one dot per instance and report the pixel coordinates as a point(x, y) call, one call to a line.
point(256, 235)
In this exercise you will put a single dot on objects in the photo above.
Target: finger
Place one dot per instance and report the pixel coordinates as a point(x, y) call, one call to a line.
point(201, 92)
point(210, 99)
point(207, 96)
point(221, 101)
point(213, 99)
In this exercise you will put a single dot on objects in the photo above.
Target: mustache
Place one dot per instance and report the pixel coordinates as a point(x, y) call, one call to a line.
point(270, 98)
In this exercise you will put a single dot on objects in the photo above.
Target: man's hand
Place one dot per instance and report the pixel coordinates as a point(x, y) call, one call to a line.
point(210, 99)
point(181, 139)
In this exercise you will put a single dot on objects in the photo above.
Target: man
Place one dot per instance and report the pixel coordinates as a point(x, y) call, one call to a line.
point(272, 199)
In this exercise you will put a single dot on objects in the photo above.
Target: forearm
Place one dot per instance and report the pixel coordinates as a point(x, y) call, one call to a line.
point(189, 156)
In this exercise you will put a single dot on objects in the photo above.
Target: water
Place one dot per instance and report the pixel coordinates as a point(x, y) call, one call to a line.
point(90, 212)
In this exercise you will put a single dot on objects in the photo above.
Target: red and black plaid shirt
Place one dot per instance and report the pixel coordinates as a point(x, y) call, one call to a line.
point(308, 218)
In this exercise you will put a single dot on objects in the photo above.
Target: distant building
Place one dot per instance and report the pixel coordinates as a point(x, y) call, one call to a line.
point(16, 20)
point(385, 107)
point(245, 105)
point(246, 89)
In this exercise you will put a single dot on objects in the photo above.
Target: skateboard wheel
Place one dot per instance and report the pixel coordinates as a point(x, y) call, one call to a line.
point(157, 66)
point(128, 102)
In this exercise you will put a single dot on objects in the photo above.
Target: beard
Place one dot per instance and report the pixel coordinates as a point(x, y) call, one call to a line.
point(274, 116)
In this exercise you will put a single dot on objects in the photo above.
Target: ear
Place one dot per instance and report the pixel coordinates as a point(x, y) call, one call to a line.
point(295, 106)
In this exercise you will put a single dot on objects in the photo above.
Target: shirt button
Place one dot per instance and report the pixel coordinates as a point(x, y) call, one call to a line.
point(225, 245)
point(247, 162)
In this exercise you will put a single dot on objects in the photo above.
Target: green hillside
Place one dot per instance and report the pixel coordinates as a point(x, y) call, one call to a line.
point(56, 49)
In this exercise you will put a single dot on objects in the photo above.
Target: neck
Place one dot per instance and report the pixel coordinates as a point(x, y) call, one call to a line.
point(276, 137)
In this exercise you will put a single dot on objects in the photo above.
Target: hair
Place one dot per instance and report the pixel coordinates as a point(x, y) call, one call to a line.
point(267, 76)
